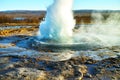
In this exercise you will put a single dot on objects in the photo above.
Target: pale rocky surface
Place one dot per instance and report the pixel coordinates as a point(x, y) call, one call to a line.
point(25, 68)
point(19, 62)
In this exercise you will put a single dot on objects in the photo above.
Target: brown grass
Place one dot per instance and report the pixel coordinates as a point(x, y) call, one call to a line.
point(23, 31)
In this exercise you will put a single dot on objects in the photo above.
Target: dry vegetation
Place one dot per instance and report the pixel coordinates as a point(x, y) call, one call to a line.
point(22, 31)
point(20, 18)
point(33, 18)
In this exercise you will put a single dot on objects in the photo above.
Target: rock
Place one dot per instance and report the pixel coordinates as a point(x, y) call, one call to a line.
point(88, 75)
point(28, 74)
point(79, 71)
point(4, 59)
point(26, 68)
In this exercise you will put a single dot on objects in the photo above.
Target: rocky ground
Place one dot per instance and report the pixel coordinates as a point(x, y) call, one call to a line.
point(25, 67)
point(78, 68)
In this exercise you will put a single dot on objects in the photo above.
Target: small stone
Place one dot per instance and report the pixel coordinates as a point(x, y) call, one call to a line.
point(114, 78)
point(88, 75)
point(117, 66)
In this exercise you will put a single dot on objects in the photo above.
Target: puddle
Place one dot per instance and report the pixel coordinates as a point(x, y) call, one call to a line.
point(13, 27)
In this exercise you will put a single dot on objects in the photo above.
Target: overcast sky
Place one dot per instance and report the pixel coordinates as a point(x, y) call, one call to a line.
point(43, 4)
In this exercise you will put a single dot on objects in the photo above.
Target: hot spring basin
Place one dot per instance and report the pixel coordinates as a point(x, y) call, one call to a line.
point(48, 46)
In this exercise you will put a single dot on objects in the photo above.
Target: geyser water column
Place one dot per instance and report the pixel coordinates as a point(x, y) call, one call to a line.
point(56, 32)
point(58, 23)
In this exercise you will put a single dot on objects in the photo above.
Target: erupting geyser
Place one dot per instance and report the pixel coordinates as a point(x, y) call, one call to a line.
point(56, 32)
point(58, 23)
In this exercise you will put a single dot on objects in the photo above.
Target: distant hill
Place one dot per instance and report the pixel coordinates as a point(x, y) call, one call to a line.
point(96, 11)
point(23, 12)
point(89, 12)
point(43, 12)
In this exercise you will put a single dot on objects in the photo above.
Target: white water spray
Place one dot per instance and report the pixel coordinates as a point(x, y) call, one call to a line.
point(59, 22)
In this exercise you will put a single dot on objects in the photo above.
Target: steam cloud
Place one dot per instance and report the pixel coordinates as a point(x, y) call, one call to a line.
point(105, 32)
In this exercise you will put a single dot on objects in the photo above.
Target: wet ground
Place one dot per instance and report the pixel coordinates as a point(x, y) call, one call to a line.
point(18, 61)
